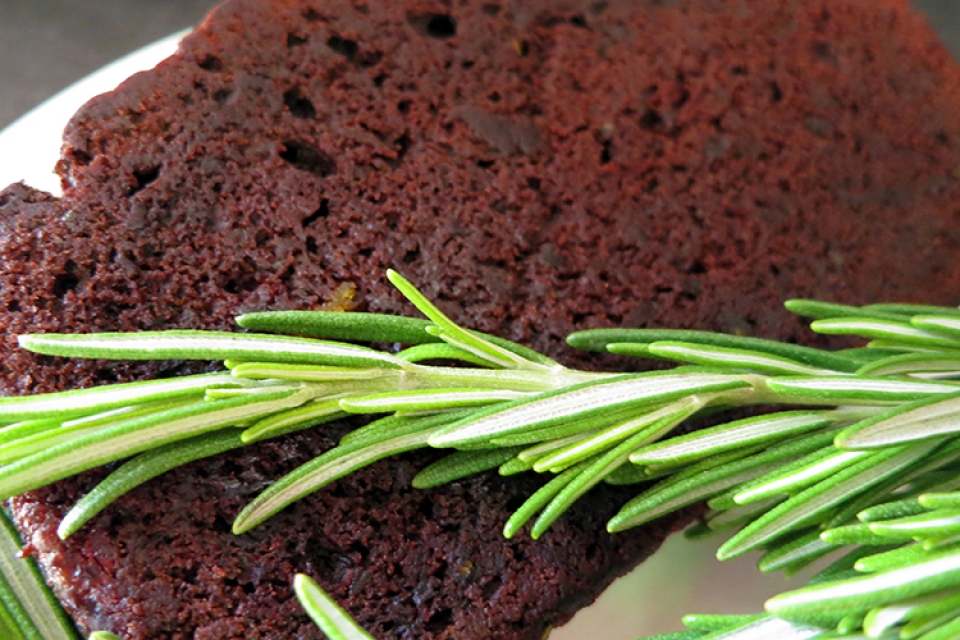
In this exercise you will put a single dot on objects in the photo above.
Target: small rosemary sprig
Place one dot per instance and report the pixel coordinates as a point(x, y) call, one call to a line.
point(871, 461)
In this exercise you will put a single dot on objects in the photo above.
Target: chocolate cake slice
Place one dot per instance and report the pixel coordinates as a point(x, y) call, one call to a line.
point(536, 167)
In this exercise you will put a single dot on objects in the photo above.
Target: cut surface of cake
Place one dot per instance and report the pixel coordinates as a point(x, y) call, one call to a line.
point(536, 168)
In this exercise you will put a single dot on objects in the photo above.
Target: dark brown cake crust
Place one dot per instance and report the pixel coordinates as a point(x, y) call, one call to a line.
point(534, 167)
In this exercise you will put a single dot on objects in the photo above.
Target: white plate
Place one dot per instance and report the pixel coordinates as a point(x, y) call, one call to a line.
point(30, 147)
point(683, 577)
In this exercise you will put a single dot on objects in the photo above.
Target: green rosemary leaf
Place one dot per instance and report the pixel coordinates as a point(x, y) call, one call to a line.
point(805, 507)
point(883, 330)
point(950, 500)
point(327, 614)
point(939, 522)
point(854, 534)
point(908, 363)
point(389, 426)
point(720, 622)
point(858, 390)
point(13, 451)
point(8, 624)
point(428, 400)
point(790, 455)
point(712, 356)
point(583, 401)
point(540, 498)
point(867, 355)
point(112, 416)
point(891, 558)
point(27, 428)
point(538, 451)
point(669, 496)
point(513, 466)
point(603, 466)
point(732, 435)
point(889, 346)
point(595, 472)
point(674, 475)
point(603, 339)
point(453, 333)
point(577, 428)
point(45, 617)
point(311, 414)
point(891, 510)
point(69, 404)
point(632, 350)
point(799, 550)
point(15, 616)
point(519, 350)
point(767, 627)
point(938, 543)
point(340, 325)
point(440, 351)
point(264, 388)
point(850, 624)
point(936, 573)
point(653, 424)
point(404, 435)
point(777, 457)
point(103, 635)
point(313, 373)
point(740, 515)
point(426, 376)
point(818, 467)
point(462, 464)
point(843, 567)
point(627, 474)
point(883, 620)
point(574, 428)
point(930, 606)
point(931, 417)
point(819, 310)
point(207, 345)
point(947, 325)
point(134, 436)
point(142, 468)
point(944, 627)
point(919, 477)
point(908, 309)
point(925, 474)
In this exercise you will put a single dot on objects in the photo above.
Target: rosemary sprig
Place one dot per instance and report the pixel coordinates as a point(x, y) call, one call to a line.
point(871, 463)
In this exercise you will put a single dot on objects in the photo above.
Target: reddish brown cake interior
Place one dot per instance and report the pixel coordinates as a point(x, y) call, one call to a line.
point(536, 167)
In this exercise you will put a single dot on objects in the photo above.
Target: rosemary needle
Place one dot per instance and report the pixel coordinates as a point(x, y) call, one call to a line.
point(67, 404)
point(340, 325)
point(870, 466)
point(332, 620)
point(207, 345)
point(462, 464)
point(141, 469)
point(36, 613)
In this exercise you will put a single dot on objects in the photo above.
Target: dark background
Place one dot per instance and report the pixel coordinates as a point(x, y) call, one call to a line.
point(46, 45)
